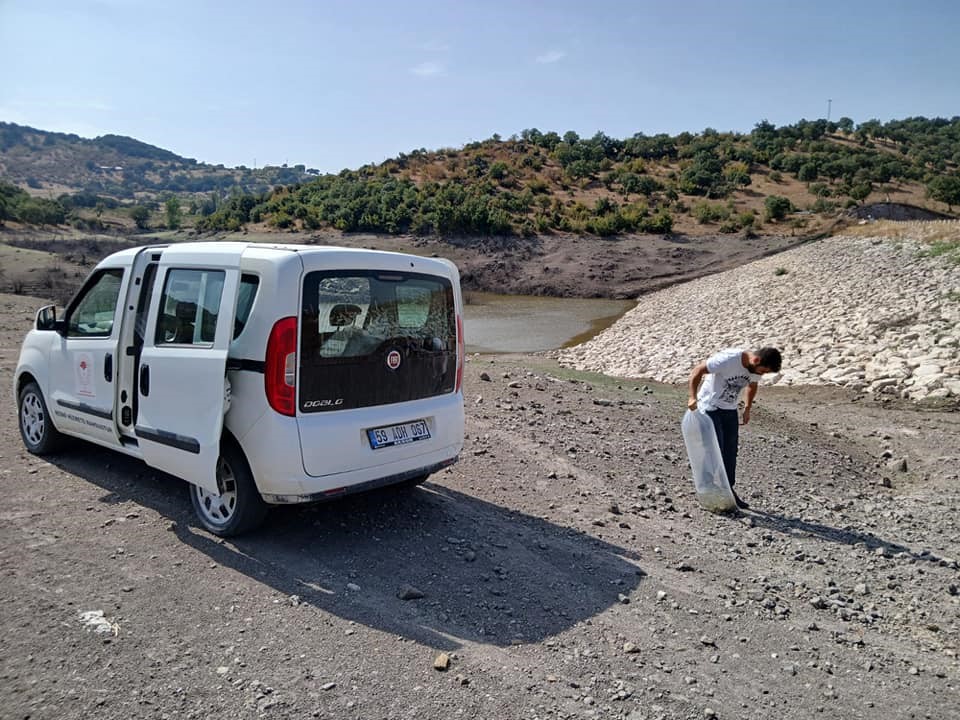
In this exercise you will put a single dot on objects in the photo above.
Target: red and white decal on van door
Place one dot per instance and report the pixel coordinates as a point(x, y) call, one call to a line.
point(84, 375)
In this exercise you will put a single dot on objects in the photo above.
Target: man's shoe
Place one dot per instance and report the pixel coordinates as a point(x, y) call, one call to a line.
point(741, 503)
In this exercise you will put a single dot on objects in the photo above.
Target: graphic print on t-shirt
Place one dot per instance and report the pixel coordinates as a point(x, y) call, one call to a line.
point(732, 387)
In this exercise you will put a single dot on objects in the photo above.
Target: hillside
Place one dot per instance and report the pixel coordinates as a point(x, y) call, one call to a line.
point(49, 164)
point(796, 179)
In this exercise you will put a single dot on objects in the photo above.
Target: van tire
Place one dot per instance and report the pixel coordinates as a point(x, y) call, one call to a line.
point(239, 508)
point(37, 430)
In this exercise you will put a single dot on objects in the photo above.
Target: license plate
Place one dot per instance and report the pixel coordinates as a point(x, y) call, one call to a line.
point(401, 434)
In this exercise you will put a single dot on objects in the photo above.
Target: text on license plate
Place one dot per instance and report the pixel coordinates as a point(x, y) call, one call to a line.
point(398, 434)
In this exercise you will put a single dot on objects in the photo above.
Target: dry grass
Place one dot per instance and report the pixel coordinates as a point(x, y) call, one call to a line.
point(930, 231)
point(941, 237)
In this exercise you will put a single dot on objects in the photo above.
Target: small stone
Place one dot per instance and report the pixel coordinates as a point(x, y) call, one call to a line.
point(661, 595)
point(630, 648)
point(328, 686)
point(485, 377)
point(408, 592)
point(899, 465)
point(353, 587)
point(441, 662)
point(223, 670)
point(624, 600)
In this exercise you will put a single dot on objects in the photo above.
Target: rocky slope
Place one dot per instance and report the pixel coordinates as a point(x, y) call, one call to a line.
point(876, 314)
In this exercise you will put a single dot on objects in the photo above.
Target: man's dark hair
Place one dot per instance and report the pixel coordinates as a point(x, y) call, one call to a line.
point(769, 358)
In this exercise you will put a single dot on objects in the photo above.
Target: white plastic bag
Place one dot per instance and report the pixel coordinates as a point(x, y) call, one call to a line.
point(709, 476)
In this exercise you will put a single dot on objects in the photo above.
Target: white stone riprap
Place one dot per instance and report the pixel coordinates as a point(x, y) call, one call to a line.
point(874, 314)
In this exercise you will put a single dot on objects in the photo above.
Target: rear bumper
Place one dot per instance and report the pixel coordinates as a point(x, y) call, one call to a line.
point(342, 457)
point(360, 487)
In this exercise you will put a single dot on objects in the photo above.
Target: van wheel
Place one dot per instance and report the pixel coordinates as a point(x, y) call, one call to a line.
point(36, 426)
point(239, 507)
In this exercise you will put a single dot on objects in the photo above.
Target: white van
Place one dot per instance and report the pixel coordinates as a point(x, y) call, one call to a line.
point(260, 374)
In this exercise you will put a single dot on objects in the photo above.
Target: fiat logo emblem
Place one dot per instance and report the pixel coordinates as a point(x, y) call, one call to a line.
point(393, 359)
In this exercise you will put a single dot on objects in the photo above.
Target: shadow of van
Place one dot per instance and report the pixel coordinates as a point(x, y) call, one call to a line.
point(487, 574)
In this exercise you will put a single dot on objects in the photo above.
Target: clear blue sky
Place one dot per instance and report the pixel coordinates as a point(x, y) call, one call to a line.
point(336, 84)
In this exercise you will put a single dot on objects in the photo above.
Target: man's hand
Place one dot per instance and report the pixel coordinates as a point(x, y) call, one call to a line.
point(692, 404)
point(746, 415)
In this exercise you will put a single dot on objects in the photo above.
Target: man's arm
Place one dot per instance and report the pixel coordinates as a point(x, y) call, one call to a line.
point(696, 375)
point(751, 394)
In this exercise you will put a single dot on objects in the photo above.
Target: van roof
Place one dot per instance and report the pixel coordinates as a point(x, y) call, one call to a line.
point(278, 249)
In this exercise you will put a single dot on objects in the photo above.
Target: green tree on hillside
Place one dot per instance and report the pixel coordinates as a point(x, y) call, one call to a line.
point(141, 216)
point(174, 214)
point(777, 207)
point(860, 191)
point(946, 189)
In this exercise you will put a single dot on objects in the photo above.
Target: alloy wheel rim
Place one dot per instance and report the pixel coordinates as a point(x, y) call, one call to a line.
point(32, 419)
point(219, 509)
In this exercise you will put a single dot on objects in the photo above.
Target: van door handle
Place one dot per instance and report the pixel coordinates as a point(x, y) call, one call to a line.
point(145, 380)
point(108, 367)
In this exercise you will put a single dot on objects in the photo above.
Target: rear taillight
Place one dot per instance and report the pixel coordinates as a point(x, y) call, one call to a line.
point(461, 348)
point(280, 371)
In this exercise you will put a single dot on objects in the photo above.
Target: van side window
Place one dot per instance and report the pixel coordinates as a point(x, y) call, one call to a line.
point(245, 297)
point(189, 307)
point(92, 313)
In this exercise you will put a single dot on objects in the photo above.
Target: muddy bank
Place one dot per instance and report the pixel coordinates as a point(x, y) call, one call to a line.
point(555, 265)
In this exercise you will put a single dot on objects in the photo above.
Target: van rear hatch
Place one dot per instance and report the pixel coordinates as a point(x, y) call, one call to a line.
point(375, 348)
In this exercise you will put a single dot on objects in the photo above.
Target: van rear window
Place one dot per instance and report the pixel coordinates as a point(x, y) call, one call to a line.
point(374, 338)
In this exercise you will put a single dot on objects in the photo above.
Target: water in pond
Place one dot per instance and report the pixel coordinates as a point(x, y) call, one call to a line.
point(519, 323)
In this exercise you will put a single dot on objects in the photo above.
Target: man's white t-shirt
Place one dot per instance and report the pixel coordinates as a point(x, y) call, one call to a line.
point(721, 388)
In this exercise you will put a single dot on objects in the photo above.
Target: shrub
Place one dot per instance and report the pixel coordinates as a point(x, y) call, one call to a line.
point(705, 212)
point(777, 207)
point(662, 222)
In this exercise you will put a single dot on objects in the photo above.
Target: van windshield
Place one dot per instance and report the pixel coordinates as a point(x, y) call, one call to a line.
point(373, 338)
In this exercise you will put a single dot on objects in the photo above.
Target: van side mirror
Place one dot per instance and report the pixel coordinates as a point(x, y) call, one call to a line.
point(47, 319)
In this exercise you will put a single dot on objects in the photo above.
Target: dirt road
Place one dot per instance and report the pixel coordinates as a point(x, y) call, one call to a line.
point(563, 566)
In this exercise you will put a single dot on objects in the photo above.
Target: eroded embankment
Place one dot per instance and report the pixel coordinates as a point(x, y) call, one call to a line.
point(877, 313)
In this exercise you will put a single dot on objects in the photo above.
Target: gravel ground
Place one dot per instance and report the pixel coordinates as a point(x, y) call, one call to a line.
point(562, 569)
